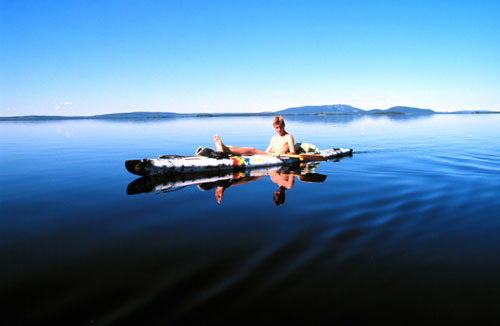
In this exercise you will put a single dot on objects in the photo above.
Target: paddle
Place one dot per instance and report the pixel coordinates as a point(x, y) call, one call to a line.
point(311, 177)
point(312, 157)
point(305, 157)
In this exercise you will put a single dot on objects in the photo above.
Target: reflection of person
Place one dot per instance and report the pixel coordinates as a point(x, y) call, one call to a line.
point(281, 143)
point(279, 196)
point(284, 181)
point(219, 191)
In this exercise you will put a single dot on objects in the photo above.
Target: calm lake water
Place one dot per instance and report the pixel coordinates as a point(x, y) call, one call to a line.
point(406, 230)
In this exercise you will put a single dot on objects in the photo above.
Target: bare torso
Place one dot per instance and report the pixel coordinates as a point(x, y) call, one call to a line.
point(281, 144)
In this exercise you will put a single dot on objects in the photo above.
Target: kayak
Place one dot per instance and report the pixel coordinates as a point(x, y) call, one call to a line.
point(173, 164)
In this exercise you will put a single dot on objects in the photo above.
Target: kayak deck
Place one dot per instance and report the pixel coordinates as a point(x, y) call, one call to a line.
point(171, 165)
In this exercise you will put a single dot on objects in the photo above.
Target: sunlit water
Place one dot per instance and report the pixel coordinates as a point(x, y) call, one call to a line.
point(406, 230)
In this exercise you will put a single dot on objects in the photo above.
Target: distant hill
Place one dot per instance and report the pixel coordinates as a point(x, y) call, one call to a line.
point(409, 110)
point(128, 115)
point(401, 110)
point(347, 109)
point(317, 109)
point(135, 115)
point(41, 117)
point(301, 110)
point(473, 111)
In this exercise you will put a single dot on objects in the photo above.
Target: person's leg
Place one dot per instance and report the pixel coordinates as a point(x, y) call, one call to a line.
point(246, 151)
point(235, 150)
point(219, 146)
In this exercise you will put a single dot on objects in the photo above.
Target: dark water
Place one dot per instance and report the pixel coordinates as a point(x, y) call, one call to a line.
point(406, 230)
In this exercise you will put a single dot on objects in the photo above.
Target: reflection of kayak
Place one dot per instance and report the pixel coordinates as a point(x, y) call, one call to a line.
point(166, 183)
point(171, 165)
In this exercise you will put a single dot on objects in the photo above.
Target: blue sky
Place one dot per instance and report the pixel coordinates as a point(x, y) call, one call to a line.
point(93, 57)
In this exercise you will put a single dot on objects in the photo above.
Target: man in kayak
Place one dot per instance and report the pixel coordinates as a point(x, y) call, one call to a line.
point(282, 143)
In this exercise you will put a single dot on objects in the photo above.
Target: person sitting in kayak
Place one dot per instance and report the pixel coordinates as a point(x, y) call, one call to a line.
point(282, 143)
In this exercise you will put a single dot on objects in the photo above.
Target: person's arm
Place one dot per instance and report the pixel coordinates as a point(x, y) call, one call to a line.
point(290, 180)
point(270, 147)
point(291, 144)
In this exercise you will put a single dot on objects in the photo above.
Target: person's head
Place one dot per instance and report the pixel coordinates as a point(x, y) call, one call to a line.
point(279, 125)
point(279, 196)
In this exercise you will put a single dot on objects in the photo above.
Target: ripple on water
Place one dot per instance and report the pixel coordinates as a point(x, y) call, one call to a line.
point(466, 164)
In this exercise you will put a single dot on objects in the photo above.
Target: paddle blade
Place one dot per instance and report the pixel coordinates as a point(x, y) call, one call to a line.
point(312, 177)
point(312, 157)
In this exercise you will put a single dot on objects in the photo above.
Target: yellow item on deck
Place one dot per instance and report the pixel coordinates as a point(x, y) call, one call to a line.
point(305, 148)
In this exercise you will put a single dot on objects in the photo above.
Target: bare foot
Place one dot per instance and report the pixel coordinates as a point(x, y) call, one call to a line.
point(218, 144)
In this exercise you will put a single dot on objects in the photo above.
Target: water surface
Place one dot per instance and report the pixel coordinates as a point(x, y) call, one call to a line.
point(405, 230)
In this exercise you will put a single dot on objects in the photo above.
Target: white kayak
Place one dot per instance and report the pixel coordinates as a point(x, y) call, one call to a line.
point(171, 165)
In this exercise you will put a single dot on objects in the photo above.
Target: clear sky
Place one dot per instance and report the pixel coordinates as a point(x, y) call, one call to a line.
point(93, 57)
